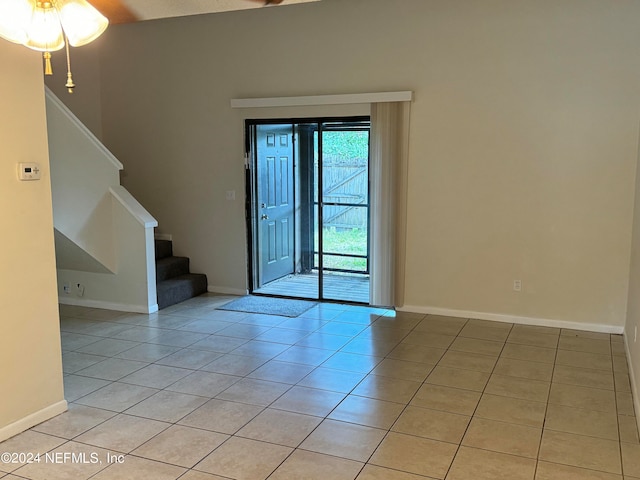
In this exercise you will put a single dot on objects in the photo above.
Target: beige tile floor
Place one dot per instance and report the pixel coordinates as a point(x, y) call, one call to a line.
point(341, 392)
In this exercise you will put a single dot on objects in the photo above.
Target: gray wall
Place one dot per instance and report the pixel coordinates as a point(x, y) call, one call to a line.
point(523, 139)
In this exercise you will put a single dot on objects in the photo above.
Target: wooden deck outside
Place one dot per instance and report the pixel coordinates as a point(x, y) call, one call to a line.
point(350, 288)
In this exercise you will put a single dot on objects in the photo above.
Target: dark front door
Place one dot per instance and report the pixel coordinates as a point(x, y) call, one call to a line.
point(275, 201)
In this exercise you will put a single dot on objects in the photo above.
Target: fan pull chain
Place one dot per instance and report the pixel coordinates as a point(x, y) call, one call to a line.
point(47, 63)
point(70, 85)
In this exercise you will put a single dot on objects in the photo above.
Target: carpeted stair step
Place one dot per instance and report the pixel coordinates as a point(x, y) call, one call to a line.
point(164, 248)
point(174, 283)
point(169, 267)
point(181, 288)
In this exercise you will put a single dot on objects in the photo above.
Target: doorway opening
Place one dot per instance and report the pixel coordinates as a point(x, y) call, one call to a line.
point(308, 208)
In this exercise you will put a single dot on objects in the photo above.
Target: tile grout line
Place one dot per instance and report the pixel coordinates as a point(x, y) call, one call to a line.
point(405, 406)
point(453, 459)
point(546, 406)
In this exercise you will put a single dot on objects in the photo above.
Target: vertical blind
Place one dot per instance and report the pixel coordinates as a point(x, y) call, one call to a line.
point(389, 174)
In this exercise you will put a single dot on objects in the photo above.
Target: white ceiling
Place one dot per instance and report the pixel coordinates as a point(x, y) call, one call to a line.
point(153, 9)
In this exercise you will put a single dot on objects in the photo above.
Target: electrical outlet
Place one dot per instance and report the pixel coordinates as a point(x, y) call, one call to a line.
point(517, 285)
point(67, 289)
point(231, 194)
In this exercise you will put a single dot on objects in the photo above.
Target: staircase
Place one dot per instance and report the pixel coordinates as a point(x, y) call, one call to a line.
point(174, 282)
point(103, 235)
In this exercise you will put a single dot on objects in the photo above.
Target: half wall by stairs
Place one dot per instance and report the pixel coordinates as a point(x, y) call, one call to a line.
point(104, 238)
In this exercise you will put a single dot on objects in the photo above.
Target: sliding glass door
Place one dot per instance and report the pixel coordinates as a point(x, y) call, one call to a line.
point(309, 208)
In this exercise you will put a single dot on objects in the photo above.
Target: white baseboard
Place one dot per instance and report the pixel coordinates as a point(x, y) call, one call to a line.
point(635, 393)
point(121, 307)
point(163, 236)
point(32, 420)
point(226, 290)
point(499, 317)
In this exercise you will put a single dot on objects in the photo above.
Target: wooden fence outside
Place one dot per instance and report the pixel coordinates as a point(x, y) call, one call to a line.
point(345, 181)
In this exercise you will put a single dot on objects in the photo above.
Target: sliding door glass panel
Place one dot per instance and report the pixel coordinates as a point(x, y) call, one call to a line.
point(345, 212)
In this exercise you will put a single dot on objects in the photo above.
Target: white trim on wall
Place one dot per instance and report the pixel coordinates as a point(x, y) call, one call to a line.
point(635, 393)
point(500, 317)
point(227, 290)
point(32, 420)
point(136, 210)
point(121, 307)
point(312, 100)
point(66, 111)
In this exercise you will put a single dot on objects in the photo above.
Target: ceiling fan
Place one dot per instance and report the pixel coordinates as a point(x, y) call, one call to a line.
point(50, 25)
point(117, 11)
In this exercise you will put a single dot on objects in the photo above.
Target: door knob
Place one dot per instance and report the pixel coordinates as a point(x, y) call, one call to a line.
point(264, 217)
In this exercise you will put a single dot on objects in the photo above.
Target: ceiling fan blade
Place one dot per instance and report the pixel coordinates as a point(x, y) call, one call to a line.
point(115, 10)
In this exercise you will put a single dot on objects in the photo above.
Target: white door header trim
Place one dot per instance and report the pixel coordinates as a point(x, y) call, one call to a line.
point(312, 100)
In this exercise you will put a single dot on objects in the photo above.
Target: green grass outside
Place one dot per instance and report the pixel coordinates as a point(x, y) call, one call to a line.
point(348, 241)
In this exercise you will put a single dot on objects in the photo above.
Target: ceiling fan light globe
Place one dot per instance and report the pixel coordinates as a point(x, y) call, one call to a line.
point(44, 32)
point(82, 23)
point(15, 16)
